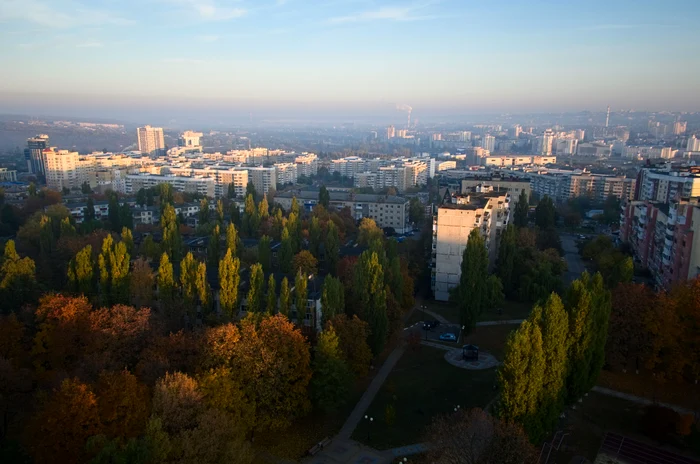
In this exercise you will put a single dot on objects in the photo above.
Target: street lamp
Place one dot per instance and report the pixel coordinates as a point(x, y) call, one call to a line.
point(460, 333)
point(456, 408)
point(370, 419)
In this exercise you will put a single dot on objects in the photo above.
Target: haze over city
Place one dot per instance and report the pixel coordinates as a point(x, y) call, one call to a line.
point(345, 60)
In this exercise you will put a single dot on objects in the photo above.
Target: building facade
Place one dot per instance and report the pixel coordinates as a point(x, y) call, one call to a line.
point(33, 153)
point(150, 140)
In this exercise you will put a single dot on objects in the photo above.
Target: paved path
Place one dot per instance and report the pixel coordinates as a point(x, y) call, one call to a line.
point(508, 321)
point(368, 396)
point(408, 450)
point(436, 316)
point(640, 400)
point(574, 263)
point(438, 345)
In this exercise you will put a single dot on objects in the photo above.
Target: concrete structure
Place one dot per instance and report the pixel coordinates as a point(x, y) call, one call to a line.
point(286, 173)
point(562, 185)
point(488, 142)
point(263, 179)
point(307, 164)
point(33, 153)
point(693, 144)
point(445, 165)
point(566, 146)
point(679, 127)
point(190, 139)
point(665, 238)
point(512, 186)
point(150, 140)
point(386, 210)
point(505, 161)
point(8, 175)
point(594, 149)
point(488, 212)
point(666, 184)
point(542, 145)
point(194, 184)
point(62, 169)
point(348, 167)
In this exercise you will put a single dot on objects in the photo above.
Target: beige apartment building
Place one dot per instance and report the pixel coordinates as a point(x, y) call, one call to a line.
point(150, 140)
point(512, 186)
point(488, 212)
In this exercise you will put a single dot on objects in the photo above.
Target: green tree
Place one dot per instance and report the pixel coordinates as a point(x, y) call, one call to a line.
point(81, 272)
point(263, 209)
point(521, 377)
point(220, 212)
point(271, 296)
point(301, 283)
point(203, 289)
point(204, 213)
point(265, 253)
point(324, 198)
point(545, 213)
point(85, 188)
point(369, 232)
point(256, 289)
point(67, 229)
point(17, 279)
point(251, 218)
point(172, 241)
point(295, 206)
point(232, 239)
point(331, 375)
point(114, 263)
point(90, 210)
point(126, 218)
point(235, 214)
point(165, 281)
point(522, 209)
point(601, 306)
point(141, 197)
point(494, 293)
point(294, 229)
point(214, 247)
point(113, 213)
point(250, 190)
point(150, 249)
point(578, 306)
point(229, 279)
point(371, 296)
point(47, 239)
point(315, 237)
point(286, 254)
point(128, 239)
point(416, 211)
point(188, 282)
point(332, 298)
point(231, 191)
point(285, 298)
point(472, 292)
point(505, 265)
point(332, 247)
point(165, 191)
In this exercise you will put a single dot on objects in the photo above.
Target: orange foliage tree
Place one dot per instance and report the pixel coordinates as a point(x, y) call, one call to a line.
point(123, 404)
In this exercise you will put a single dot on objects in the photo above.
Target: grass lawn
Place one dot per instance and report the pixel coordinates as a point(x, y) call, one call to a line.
point(491, 338)
point(422, 385)
point(645, 385)
point(509, 310)
point(416, 316)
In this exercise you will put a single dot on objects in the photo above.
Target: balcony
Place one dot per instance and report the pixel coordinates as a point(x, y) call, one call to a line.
point(666, 260)
point(642, 219)
point(668, 242)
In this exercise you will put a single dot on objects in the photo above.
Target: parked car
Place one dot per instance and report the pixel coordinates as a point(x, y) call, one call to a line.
point(448, 337)
point(429, 325)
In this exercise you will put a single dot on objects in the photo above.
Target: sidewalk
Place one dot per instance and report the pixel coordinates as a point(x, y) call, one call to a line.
point(640, 400)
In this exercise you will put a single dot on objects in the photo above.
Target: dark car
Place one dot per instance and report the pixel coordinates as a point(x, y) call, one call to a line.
point(430, 325)
point(448, 337)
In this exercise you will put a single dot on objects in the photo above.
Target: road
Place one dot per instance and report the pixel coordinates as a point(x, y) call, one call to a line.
point(573, 259)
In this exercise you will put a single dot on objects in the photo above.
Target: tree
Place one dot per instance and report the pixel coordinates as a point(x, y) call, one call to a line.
point(188, 282)
point(172, 241)
point(505, 265)
point(471, 294)
point(256, 290)
point(250, 190)
point(113, 213)
point(332, 248)
point(229, 279)
point(301, 283)
point(416, 211)
point(286, 254)
point(369, 232)
point(128, 239)
point(140, 197)
point(123, 404)
point(177, 401)
point(214, 247)
point(85, 188)
point(126, 218)
point(285, 298)
point(220, 212)
point(81, 272)
point(232, 239)
point(324, 198)
point(520, 378)
point(353, 333)
point(263, 209)
point(251, 218)
point(165, 192)
point(629, 344)
point(61, 427)
point(67, 229)
point(295, 206)
point(204, 213)
point(294, 229)
point(599, 323)
point(578, 306)
point(331, 377)
point(265, 253)
point(545, 213)
point(141, 284)
point(315, 237)
point(474, 437)
point(271, 296)
point(231, 191)
point(494, 293)
point(203, 289)
point(305, 262)
point(114, 272)
point(371, 296)
point(332, 298)
point(150, 249)
point(165, 281)
point(522, 210)
point(116, 335)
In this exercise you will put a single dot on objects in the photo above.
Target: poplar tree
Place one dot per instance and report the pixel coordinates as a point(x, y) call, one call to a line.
point(324, 198)
point(114, 272)
point(90, 210)
point(214, 247)
point(295, 206)
point(165, 281)
point(285, 297)
point(332, 298)
point(204, 213)
point(172, 241)
point(229, 279)
point(265, 253)
point(251, 219)
point(232, 239)
point(601, 306)
point(81, 271)
point(286, 253)
point(330, 382)
point(256, 290)
point(301, 296)
point(472, 293)
point(188, 281)
point(370, 295)
point(263, 209)
point(315, 237)
point(332, 247)
point(294, 229)
point(67, 229)
point(128, 239)
point(578, 305)
point(271, 296)
point(17, 279)
point(203, 289)
point(522, 209)
point(220, 212)
point(507, 249)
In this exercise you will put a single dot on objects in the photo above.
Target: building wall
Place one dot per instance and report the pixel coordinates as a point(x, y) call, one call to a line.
point(513, 187)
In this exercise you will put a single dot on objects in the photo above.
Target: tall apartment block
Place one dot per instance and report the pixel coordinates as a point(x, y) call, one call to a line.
point(33, 153)
point(150, 140)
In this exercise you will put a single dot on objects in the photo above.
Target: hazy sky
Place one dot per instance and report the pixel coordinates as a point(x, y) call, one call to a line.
point(442, 55)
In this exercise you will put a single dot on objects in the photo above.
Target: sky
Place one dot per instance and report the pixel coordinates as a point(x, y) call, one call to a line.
point(347, 57)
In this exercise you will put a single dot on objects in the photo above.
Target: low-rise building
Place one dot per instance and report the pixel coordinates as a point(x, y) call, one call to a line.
point(194, 184)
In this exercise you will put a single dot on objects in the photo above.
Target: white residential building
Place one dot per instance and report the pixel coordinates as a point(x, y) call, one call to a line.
point(263, 179)
point(307, 164)
point(150, 140)
point(488, 142)
point(693, 144)
point(348, 167)
point(286, 173)
point(62, 169)
point(195, 184)
point(445, 165)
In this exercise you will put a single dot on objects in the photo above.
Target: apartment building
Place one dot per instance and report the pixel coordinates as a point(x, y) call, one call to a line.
point(506, 161)
point(562, 185)
point(194, 184)
point(513, 186)
point(307, 164)
point(263, 179)
point(666, 184)
point(62, 169)
point(386, 210)
point(286, 173)
point(33, 153)
point(8, 175)
point(150, 140)
point(488, 212)
point(664, 237)
point(349, 166)
point(446, 165)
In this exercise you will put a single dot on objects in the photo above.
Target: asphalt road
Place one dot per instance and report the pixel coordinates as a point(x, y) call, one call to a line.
point(433, 334)
point(574, 261)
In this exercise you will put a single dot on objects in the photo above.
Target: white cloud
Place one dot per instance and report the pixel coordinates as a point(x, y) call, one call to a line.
point(386, 13)
point(71, 15)
point(210, 10)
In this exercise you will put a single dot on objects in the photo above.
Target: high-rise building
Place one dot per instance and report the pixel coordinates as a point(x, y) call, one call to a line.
point(514, 132)
point(567, 146)
point(390, 132)
point(33, 153)
point(579, 134)
point(263, 179)
point(62, 169)
point(190, 139)
point(307, 164)
point(488, 142)
point(679, 127)
point(693, 144)
point(150, 140)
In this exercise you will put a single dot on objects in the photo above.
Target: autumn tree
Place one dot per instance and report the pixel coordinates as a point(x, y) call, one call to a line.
point(301, 283)
point(141, 284)
point(60, 428)
point(370, 299)
point(116, 336)
point(256, 290)
point(271, 307)
point(81, 272)
point(128, 238)
point(165, 281)
point(17, 279)
point(229, 280)
point(471, 293)
point(474, 437)
point(232, 239)
point(123, 404)
point(331, 377)
point(369, 232)
point(332, 298)
point(214, 247)
point(263, 209)
point(629, 342)
point(286, 254)
point(353, 334)
point(332, 247)
point(251, 218)
point(172, 241)
point(522, 209)
point(285, 298)
point(265, 253)
point(305, 263)
point(505, 265)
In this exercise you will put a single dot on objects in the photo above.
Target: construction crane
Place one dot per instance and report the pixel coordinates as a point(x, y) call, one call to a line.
point(407, 109)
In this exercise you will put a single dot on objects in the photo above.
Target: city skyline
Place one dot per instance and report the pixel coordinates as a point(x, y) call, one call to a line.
point(357, 57)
